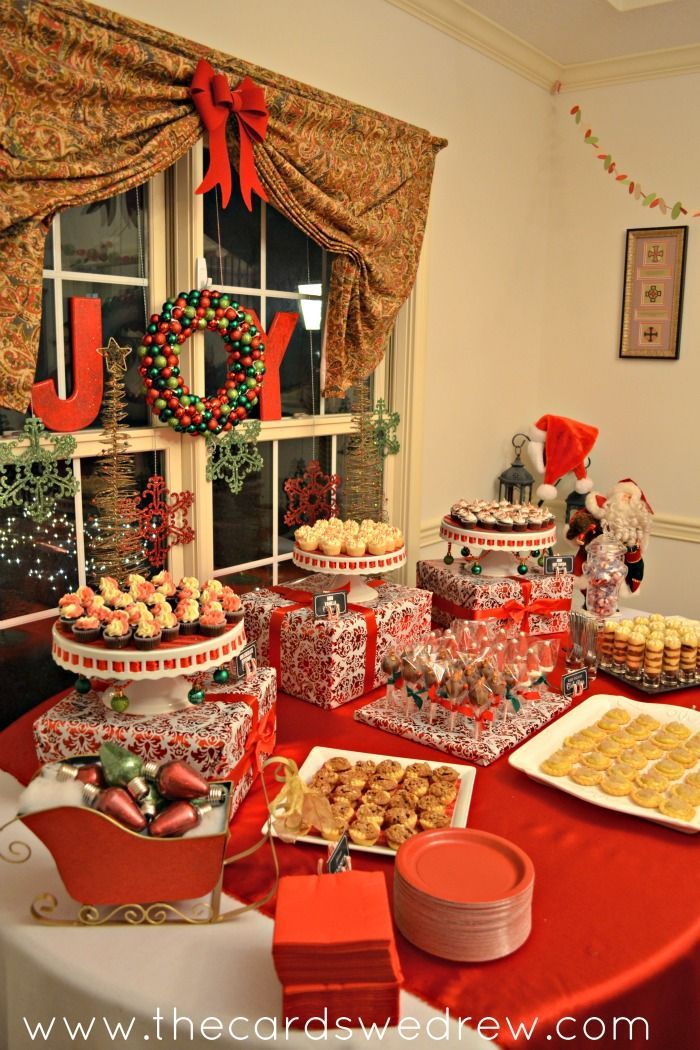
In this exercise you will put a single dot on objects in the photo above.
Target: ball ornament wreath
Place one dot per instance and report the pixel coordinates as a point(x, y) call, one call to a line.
point(159, 362)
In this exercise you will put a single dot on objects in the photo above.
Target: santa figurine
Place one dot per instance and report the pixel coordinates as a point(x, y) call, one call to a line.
point(625, 515)
point(559, 445)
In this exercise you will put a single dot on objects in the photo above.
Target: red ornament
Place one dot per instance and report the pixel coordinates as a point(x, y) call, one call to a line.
point(162, 522)
point(81, 408)
point(311, 495)
point(177, 780)
point(176, 819)
point(118, 803)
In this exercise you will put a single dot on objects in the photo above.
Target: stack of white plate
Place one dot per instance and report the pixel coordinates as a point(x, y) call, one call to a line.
point(462, 894)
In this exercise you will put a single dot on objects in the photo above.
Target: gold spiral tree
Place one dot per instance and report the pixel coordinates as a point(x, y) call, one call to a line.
point(372, 439)
point(116, 548)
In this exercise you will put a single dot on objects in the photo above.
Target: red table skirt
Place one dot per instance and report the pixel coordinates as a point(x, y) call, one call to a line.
point(616, 919)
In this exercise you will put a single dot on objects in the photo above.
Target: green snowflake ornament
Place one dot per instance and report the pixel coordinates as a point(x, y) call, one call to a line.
point(383, 425)
point(31, 478)
point(234, 455)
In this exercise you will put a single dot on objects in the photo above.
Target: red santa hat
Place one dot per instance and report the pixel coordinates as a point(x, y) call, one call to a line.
point(595, 503)
point(559, 445)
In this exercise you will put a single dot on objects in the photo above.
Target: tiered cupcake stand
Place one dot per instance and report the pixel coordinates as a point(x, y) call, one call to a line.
point(155, 681)
point(351, 570)
point(496, 550)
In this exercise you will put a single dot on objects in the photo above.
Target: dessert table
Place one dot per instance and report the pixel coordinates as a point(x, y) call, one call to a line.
point(616, 923)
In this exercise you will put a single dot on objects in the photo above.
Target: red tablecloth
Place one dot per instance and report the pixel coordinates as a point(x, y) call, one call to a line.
point(616, 918)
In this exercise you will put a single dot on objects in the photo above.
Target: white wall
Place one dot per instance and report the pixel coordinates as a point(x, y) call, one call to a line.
point(646, 410)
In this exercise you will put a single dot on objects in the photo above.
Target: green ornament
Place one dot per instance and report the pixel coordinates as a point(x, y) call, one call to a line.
point(196, 696)
point(160, 361)
point(534, 554)
point(541, 560)
point(31, 478)
point(234, 455)
point(82, 685)
point(448, 559)
point(476, 569)
point(119, 703)
point(220, 676)
point(522, 569)
point(465, 552)
point(118, 764)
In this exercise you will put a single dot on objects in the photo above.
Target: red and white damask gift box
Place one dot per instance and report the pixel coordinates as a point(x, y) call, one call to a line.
point(328, 662)
point(225, 738)
point(539, 603)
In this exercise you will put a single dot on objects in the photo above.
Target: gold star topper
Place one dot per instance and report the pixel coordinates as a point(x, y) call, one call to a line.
point(115, 355)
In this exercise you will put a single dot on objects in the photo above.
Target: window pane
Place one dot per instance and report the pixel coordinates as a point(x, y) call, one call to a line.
point(48, 250)
point(122, 318)
point(249, 579)
point(295, 455)
point(215, 360)
point(292, 257)
point(145, 464)
point(240, 238)
point(37, 562)
point(104, 237)
point(243, 523)
point(27, 664)
point(301, 362)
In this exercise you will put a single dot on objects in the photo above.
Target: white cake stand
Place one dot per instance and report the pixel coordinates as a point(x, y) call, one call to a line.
point(497, 549)
point(351, 570)
point(157, 682)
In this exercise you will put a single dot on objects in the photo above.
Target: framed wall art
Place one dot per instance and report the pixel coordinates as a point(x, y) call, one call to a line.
point(653, 298)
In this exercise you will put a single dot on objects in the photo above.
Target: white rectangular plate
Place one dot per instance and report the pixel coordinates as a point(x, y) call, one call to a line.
point(528, 757)
point(318, 755)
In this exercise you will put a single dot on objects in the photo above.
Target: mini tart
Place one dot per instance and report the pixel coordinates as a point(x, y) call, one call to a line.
point(327, 776)
point(368, 811)
point(342, 809)
point(354, 777)
point(383, 784)
point(445, 792)
point(675, 807)
point(404, 798)
point(322, 787)
point(337, 764)
point(418, 786)
point(377, 798)
point(391, 769)
point(614, 784)
point(635, 757)
point(418, 769)
point(669, 769)
point(645, 797)
point(397, 834)
point(687, 792)
point(433, 818)
point(595, 760)
point(584, 775)
point(677, 730)
point(400, 815)
point(333, 831)
point(684, 756)
point(364, 832)
point(347, 791)
point(366, 765)
point(653, 780)
point(430, 802)
point(650, 750)
point(557, 768)
point(445, 773)
point(618, 715)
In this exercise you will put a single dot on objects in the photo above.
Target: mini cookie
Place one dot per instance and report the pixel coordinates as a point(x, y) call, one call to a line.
point(397, 834)
point(687, 792)
point(677, 808)
point(653, 780)
point(337, 764)
point(684, 756)
point(670, 769)
point(666, 741)
point(579, 742)
point(368, 811)
point(623, 769)
point(418, 786)
point(346, 791)
point(614, 784)
point(400, 815)
point(693, 779)
point(595, 760)
point(678, 730)
point(618, 715)
point(609, 747)
point(333, 831)
point(646, 797)
point(607, 725)
point(390, 768)
point(623, 737)
point(433, 818)
point(377, 798)
point(638, 730)
point(693, 744)
point(595, 733)
point(585, 775)
point(650, 749)
point(554, 768)
point(363, 832)
point(648, 722)
point(444, 791)
point(633, 756)
point(445, 773)
point(418, 769)
point(383, 784)
point(342, 809)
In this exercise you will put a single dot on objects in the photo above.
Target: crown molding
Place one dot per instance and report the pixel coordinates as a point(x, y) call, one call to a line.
point(458, 20)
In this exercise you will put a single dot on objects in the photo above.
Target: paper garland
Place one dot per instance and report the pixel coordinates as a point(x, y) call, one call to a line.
point(649, 200)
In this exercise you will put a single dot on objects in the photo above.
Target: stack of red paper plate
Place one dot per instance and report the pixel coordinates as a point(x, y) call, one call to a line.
point(463, 894)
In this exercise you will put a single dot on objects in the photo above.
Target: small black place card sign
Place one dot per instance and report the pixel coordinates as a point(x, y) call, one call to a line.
point(339, 859)
point(557, 563)
point(246, 661)
point(330, 605)
point(575, 682)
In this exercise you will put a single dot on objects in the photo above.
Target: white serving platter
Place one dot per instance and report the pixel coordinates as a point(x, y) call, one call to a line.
point(319, 755)
point(530, 755)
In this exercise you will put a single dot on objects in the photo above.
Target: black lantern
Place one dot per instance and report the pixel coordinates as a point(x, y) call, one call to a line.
point(515, 483)
point(575, 500)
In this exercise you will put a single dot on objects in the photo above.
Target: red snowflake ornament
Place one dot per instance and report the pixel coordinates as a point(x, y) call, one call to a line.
point(162, 520)
point(311, 495)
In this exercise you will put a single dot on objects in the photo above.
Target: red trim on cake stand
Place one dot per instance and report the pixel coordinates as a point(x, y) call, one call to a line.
point(350, 570)
point(497, 549)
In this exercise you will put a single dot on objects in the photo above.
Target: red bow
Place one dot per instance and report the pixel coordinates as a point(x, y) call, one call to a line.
point(214, 100)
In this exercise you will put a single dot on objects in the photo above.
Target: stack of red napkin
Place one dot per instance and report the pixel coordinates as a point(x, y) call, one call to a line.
point(334, 950)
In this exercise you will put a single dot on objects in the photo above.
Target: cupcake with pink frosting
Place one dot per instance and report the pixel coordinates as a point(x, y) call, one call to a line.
point(231, 604)
point(70, 612)
point(164, 584)
point(117, 633)
point(85, 595)
point(212, 621)
point(147, 634)
point(87, 629)
point(188, 587)
point(109, 588)
point(187, 612)
point(169, 623)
